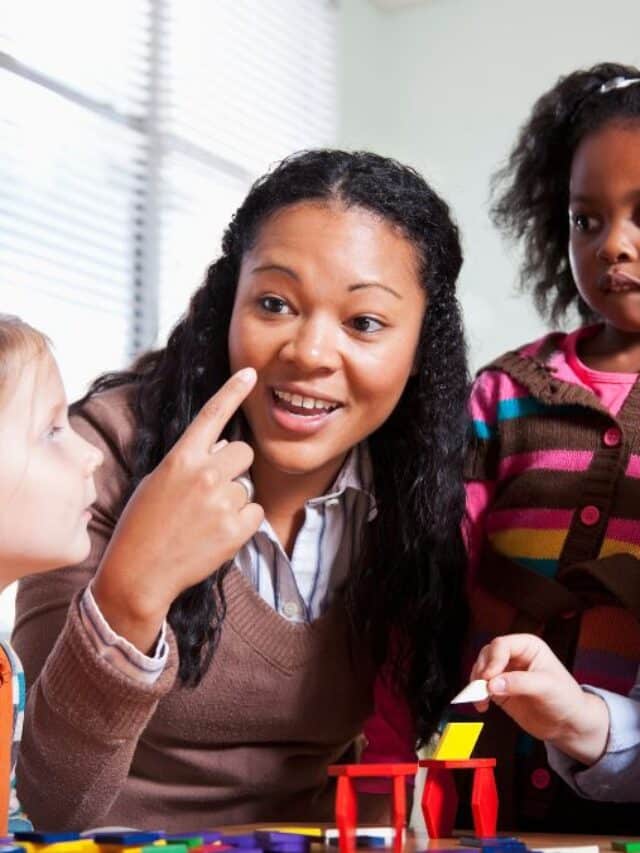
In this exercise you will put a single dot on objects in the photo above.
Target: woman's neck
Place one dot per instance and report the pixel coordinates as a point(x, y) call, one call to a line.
point(283, 495)
point(611, 350)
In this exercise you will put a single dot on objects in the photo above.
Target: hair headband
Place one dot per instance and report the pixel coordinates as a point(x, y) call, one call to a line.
point(617, 83)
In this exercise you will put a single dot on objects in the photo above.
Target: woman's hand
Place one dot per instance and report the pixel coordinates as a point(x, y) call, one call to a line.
point(528, 681)
point(185, 520)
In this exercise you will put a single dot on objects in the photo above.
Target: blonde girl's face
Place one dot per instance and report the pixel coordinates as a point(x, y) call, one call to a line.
point(46, 475)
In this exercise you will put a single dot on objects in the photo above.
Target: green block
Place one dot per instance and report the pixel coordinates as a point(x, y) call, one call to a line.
point(626, 845)
point(171, 847)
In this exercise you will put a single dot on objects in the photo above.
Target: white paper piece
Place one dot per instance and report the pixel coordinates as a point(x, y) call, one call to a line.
point(591, 848)
point(476, 691)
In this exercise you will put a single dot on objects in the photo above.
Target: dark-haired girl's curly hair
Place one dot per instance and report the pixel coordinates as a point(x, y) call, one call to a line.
point(532, 190)
point(406, 596)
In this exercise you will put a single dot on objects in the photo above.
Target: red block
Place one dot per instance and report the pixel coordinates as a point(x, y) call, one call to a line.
point(440, 798)
point(347, 805)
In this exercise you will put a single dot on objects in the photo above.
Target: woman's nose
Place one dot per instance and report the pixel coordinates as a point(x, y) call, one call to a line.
point(313, 346)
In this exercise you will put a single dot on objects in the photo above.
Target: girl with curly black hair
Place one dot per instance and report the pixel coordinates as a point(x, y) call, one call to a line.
point(553, 475)
point(332, 307)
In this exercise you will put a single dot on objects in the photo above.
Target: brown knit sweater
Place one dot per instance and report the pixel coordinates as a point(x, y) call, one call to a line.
point(252, 742)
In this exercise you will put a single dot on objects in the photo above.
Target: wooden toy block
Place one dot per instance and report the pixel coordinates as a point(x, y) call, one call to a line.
point(375, 836)
point(457, 741)
point(440, 798)
point(489, 841)
point(628, 846)
point(310, 831)
point(244, 840)
point(347, 805)
point(45, 837)
point(128, 839)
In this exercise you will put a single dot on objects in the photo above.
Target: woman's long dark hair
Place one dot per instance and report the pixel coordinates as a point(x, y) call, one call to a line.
point(532, 190)
point(406, 597)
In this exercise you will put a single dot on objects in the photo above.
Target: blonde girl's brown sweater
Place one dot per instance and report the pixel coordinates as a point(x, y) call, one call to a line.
point(280, 701)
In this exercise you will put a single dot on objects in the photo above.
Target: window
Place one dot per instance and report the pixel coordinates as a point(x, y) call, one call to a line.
point(130, 132)
point(134, 129)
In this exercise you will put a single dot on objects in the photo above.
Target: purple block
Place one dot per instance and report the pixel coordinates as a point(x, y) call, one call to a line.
point(45, 837)
point(127, 839)
point(247, 841)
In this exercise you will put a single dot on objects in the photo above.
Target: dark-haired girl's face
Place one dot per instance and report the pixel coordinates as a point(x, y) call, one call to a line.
point(328, 310)
point(604, 211)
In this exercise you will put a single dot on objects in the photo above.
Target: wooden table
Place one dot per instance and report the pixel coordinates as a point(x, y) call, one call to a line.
point(412, 845)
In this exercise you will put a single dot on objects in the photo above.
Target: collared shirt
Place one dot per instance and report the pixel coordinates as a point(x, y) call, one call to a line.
point(300, 588)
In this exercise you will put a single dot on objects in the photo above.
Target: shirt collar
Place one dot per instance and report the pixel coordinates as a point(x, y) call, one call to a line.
point(356, 473)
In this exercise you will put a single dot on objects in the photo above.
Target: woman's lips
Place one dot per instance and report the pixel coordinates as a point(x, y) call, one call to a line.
point(298, 420)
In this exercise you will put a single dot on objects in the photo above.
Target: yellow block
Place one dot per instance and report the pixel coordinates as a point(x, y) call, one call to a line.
point(310, 831)
point(457, 741)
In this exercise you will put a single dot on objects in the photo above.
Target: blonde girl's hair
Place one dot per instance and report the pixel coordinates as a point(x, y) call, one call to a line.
point(19, 342)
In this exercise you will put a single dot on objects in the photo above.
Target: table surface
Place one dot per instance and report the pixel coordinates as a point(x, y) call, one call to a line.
point(532, 840)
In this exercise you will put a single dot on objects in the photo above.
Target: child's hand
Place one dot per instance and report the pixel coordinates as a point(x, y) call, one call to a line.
point(185, 520)
point(528, 681)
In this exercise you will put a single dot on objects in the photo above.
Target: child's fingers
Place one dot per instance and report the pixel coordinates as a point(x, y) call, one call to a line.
point(511, 651)
point(518, 683)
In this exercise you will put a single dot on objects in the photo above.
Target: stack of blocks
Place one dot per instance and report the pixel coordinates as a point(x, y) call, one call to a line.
point(440, 799)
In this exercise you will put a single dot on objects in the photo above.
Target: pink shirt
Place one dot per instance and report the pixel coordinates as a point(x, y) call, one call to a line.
point(389, 731)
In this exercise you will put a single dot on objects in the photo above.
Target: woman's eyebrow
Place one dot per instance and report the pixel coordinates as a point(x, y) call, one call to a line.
point(294, 275)
point(362, 284)
point(276, 268)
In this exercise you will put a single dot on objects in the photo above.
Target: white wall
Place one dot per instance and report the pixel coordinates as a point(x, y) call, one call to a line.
point(444, 86)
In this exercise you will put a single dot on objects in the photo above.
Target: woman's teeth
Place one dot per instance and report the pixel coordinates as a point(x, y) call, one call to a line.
point(300, 402)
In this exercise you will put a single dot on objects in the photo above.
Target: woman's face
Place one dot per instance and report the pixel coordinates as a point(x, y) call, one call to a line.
point(328, 310)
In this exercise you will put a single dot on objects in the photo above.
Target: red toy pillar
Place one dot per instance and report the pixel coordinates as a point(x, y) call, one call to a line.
point(346, 803)
point(440, 798)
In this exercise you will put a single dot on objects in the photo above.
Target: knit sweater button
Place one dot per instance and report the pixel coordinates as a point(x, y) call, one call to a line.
point(541, 778)
point(590, 515)
point(612, 437)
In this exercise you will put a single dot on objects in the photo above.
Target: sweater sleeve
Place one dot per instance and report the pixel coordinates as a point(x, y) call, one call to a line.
point(84, 716)
point(481, 464)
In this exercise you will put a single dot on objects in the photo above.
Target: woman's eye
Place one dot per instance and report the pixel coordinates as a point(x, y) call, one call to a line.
point(367, 324)
point(274, 305)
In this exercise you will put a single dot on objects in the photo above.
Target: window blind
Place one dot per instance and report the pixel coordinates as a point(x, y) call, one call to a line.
point(130, 132)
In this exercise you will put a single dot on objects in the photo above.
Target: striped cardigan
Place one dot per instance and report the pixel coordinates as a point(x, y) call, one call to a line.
point(554, 531)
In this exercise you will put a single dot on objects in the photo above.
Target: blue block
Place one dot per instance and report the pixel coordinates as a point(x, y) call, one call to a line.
point(504, 848)
point(127, 839)
point(247, 841)
point(267, 836)
point(500, 841)
point(45, 837)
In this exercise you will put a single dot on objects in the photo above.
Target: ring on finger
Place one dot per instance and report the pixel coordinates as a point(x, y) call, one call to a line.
point(247, 485)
